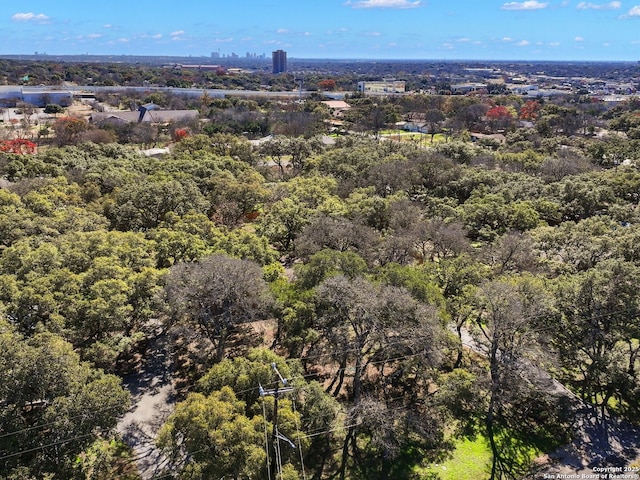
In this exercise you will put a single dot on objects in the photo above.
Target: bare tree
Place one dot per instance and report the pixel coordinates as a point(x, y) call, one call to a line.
point(512, 252)
point(217, 295)
point(369, 330)
point(507, 336)
point(336, 233)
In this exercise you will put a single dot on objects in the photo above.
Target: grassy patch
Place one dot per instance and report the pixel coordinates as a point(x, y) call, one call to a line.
point(404, 136)
point(471, 460)
point(392, 132)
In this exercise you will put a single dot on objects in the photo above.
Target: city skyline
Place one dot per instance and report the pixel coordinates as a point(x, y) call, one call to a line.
point(366, 29)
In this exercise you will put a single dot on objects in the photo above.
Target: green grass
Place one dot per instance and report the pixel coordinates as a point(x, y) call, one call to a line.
point(392, 132)
point(438, 137)
point(404, 136)
point(471, 460)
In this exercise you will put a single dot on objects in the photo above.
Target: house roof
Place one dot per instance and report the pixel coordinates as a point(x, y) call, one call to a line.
point(153, 116)
point(495, 136)
point(337, 104)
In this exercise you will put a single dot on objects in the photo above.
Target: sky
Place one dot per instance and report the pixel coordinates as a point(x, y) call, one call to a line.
point(337, 29)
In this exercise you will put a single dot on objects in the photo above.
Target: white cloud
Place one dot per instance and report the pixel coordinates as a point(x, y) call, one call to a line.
point(287, 31)
point(30, 17)
point(384, 4)
point(177, 33)
point(597, 6)
point(507, 39)
point(578, 39)
point(522, 43)
point(635, 11)
point(94, 35)
point(528, 5)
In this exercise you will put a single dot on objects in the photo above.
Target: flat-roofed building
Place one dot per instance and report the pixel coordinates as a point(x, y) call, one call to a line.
point(465, 88)
point(279, 60)
point(387, 85)
point(39, 96)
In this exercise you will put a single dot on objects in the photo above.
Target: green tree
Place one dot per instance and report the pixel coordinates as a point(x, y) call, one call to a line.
point(69, 129)
point(305, 409)
point(219, 439)
point(326, 263)
point(53, 405)
point(145, 204)
point(106, 459)
point(282, 223)
point(53, 108)
point(95, 288)
point(597, 333)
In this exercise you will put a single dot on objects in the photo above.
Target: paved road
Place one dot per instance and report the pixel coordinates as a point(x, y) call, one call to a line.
point(152, 402)
point(194, 92)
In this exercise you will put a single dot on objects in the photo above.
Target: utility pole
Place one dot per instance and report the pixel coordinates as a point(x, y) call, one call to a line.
point(276, 457)
point(300, 82)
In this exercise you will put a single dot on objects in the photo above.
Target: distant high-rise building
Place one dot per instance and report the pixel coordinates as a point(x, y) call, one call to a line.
point(279, 59)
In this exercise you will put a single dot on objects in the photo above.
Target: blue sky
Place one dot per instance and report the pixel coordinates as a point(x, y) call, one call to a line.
point(384, 29)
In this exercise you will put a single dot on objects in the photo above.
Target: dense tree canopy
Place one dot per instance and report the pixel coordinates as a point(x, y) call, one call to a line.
point(405, 289)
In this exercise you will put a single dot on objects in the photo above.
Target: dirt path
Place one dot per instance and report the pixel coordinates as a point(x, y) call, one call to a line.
point(152, 393)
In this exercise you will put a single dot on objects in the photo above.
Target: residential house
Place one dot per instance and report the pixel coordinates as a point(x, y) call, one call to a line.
point(146, 115)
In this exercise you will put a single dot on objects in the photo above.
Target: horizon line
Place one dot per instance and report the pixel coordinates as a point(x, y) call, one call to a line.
point(292, 58)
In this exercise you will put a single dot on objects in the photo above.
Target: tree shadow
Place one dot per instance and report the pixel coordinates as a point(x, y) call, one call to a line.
point(598, 440)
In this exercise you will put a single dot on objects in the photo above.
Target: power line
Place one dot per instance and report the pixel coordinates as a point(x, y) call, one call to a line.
point(43, 425)
point(324, 432)
point(35, 427)
point(167, 475)
point(313, 434)
point(276, 435)
point(295, 416)
point(266, 438)
point(35, 449)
